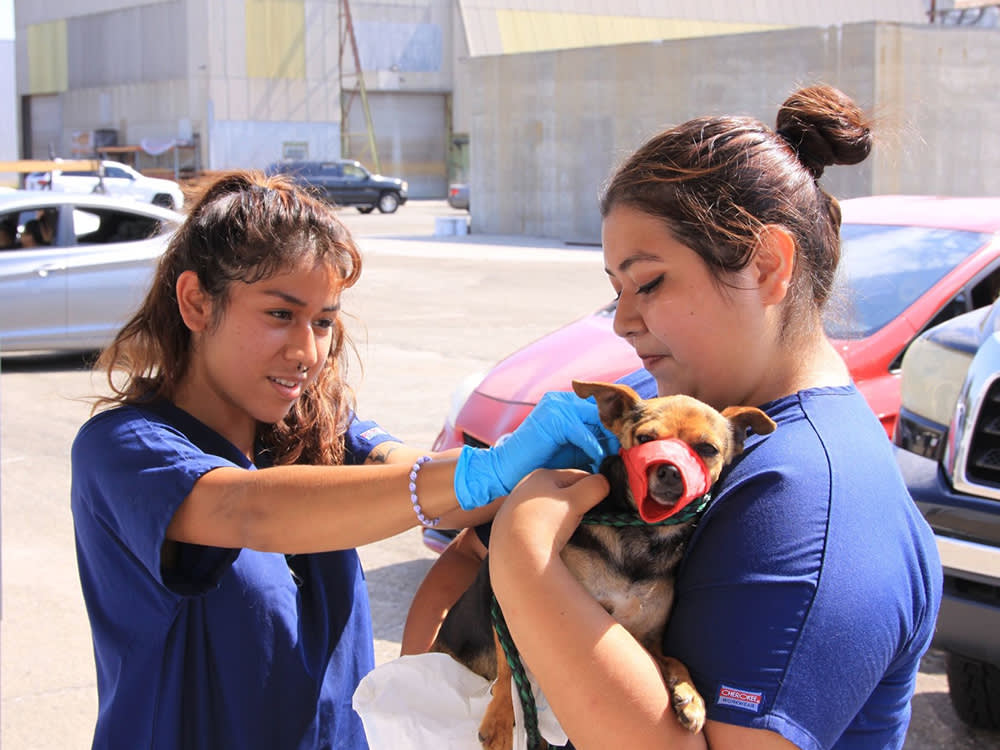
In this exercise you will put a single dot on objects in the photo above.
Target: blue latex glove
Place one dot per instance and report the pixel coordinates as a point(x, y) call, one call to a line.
point(563, 431)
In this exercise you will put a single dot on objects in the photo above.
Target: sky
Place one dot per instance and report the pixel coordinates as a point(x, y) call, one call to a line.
point(6, 19)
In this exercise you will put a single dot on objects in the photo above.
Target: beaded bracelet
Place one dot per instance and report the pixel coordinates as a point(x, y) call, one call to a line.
point(429, 522)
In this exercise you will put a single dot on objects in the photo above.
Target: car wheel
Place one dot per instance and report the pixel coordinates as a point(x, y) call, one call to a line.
point(366, 209)
point(388, 202)
point(163, 200)
point(974, 687)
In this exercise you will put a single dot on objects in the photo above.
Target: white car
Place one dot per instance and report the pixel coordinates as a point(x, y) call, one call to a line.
point(74, 267)
point(117, 180)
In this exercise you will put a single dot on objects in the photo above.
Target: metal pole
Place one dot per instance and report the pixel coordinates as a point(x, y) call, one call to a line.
point(361, 86)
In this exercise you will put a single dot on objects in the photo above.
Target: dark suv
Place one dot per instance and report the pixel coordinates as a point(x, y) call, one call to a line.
point(948, 448)
point(346, 183)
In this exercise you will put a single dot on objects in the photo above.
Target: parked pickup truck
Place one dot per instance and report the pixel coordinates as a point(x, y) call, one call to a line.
point(948, 447)
point(346, 183)
point(110, 178)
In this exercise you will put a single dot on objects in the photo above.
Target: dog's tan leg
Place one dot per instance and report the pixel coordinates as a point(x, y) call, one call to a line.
point(496, 732)
point(685, 699)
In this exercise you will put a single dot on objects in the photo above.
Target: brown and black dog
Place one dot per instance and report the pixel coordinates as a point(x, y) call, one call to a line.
point(628, 569)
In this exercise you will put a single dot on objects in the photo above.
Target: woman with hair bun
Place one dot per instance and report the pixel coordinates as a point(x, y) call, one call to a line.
point(811, 586)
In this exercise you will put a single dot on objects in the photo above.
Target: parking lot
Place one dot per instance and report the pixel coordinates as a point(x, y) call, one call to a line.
point(427, 312)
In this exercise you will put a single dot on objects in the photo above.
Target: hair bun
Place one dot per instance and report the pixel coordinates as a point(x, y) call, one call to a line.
point(824, 126)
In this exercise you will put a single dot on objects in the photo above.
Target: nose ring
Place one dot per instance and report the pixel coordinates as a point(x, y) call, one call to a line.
point(302, 368)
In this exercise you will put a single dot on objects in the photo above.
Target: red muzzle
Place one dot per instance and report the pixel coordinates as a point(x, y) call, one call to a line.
point(640, 459)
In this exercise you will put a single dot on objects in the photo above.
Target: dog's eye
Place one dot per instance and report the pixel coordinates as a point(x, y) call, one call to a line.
point(644, 438)
point(706, 450)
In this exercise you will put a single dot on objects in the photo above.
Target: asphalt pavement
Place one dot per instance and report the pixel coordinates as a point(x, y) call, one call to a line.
point(429, 310)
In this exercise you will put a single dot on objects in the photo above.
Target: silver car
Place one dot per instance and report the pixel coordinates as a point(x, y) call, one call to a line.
point(73, 268)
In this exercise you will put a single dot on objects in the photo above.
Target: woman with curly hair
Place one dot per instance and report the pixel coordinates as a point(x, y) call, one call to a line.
point(220, 489)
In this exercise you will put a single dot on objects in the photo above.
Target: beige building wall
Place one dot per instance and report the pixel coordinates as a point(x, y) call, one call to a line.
point(548, 127)
point(509, 26)
point(257, 78)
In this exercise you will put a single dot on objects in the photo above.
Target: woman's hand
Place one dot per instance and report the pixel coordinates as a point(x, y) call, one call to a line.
point(562, 431)
point(545, 509)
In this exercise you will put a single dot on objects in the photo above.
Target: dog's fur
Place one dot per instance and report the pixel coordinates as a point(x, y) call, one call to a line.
point(629, 570)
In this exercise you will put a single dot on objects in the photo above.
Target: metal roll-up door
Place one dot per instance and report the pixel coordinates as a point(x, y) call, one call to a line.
point(46, 126)
point(410, 135)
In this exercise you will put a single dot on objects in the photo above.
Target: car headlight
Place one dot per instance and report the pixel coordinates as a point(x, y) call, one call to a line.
point(932, 379)
point(461, 394)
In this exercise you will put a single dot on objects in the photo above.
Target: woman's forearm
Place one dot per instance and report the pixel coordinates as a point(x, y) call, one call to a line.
point(604, 687)
point(299, 509)
point(444, 584)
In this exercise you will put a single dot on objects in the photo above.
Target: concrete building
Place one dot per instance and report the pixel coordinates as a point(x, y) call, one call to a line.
point(241, 83)
point(549, 127)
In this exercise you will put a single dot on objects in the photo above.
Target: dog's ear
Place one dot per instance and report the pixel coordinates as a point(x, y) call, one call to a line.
point(743, 418)
point(613, 399)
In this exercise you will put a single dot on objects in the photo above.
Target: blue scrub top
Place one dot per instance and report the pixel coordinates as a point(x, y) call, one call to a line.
point(233, 647)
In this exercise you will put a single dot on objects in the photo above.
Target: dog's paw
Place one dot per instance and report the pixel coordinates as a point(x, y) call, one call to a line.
point(494, 735)
point(685, 699)
point(688, 705)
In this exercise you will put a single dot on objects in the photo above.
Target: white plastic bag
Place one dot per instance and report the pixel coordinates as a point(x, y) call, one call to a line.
point(430, 701)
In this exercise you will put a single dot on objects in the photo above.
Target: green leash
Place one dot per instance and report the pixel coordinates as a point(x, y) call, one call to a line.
point(520, 677)
point(688, 513)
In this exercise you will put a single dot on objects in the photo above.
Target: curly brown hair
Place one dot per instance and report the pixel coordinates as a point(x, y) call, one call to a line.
point(718, 181)
point(245, 227)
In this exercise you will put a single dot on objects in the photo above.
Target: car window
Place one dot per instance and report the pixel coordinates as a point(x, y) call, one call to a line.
point(289, 168)
point(100, 226)
point(981, 293)
point(27, 228)
point(117, 172)
point(885, 269)
point(330, 169)
point(10, 227)
point(353, 172)
point(79, 173)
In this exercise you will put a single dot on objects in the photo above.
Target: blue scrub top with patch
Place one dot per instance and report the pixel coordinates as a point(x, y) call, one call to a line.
point(233, 648)
point(812, 583)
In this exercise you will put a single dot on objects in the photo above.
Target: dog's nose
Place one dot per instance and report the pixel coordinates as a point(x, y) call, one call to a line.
point(668, 474)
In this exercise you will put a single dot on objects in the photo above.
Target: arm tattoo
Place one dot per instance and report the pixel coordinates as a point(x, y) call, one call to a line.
point(380, 453)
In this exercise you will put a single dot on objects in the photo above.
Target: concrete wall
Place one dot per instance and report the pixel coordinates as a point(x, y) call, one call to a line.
point(547, 128)
point(936, 91)
point(9, 145)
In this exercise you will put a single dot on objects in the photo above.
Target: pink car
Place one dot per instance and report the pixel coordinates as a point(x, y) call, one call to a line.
point(908, 263)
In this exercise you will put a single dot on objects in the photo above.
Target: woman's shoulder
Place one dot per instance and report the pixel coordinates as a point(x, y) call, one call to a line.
point(839, 417)
point(818, 403)
point(132, 428)
point(821, 433)
point(108, 422)
point(833, 418)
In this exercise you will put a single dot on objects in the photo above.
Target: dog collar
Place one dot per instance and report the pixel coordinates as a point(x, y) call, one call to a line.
point(639, 459)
